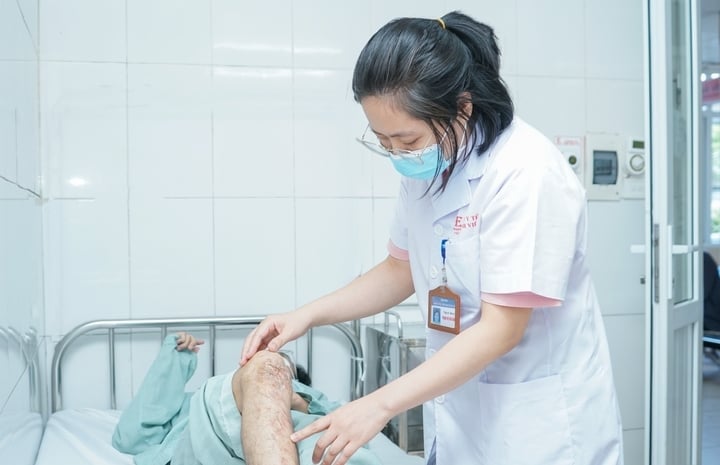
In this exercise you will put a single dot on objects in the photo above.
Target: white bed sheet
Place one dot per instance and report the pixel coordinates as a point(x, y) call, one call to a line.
point(83, 437)
point(20, 435)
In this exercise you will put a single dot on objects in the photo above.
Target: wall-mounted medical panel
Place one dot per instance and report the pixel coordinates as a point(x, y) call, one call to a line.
point(614, 167)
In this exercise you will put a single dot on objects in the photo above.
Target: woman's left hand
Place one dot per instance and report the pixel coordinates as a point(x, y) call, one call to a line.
point(346, 430)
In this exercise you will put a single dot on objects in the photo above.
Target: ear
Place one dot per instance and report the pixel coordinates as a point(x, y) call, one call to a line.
point(465, 106)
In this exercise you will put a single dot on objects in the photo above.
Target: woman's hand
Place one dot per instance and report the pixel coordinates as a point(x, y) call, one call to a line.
point(186, 341)
point(346, 430)
point(274, 332)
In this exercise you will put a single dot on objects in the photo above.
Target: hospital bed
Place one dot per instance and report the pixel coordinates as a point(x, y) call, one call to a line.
point(82, 436)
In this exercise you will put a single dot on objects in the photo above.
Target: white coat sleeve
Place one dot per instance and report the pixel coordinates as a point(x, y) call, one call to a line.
point(528, 231)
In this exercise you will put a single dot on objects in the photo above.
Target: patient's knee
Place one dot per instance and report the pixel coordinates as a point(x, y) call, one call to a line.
point(265, 376)
point(266, 367)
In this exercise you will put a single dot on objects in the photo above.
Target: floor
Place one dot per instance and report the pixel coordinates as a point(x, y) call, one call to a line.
point(711, 412)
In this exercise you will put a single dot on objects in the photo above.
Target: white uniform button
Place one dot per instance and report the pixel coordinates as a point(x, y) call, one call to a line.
point(433, 272)
point(440, 399)
point(438, 229)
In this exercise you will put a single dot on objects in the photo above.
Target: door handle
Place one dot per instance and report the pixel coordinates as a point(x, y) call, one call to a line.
point(684, 249)
point(637, 249)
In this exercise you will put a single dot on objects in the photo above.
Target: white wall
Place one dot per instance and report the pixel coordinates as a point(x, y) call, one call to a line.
point(20, 207)
point(199, 156)
point(21, 284)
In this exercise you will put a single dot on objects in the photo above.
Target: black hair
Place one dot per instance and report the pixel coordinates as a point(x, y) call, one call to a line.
point(303, 376)
point(432, 68)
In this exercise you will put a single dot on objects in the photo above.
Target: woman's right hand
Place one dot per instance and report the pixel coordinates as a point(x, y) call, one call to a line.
point(274, 332)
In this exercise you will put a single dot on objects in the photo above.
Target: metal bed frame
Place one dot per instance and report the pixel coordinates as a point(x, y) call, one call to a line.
point(30, 351)
point(112, 327)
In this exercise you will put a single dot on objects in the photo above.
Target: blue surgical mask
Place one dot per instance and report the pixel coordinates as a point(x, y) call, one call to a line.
point(422, 166)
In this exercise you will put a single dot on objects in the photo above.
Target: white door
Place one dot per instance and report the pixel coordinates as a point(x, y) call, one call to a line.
point(675, 262)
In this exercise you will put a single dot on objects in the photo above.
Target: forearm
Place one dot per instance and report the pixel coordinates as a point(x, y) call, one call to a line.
point(384, 286)
point(298, 403)
point(498, 331)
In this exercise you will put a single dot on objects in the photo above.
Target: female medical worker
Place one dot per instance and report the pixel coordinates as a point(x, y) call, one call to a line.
point(490, 234)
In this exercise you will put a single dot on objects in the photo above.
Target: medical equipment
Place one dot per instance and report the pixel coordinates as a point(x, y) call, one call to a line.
point(572, 150)
point(610, 166)
point(614, 167)
point(82, 435)
point(390, 353)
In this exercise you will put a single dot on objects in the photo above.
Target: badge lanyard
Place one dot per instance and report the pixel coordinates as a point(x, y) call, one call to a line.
point(443, 304)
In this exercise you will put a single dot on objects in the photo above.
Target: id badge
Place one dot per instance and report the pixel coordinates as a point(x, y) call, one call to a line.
point(444, 310)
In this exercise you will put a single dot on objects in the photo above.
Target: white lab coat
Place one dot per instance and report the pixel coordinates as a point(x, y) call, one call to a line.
point(515, 220)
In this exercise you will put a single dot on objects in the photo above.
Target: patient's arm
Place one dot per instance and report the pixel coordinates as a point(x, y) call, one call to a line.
point(264, 396)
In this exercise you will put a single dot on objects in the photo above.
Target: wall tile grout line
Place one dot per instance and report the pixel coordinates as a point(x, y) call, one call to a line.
point(212, 164)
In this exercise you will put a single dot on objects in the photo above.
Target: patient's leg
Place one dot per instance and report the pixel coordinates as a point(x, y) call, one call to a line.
point(263, 394)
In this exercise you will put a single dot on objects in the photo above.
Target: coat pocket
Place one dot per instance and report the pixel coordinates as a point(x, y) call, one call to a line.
point(525, 423)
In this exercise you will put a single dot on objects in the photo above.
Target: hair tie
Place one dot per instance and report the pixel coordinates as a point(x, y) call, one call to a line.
point(442, 23)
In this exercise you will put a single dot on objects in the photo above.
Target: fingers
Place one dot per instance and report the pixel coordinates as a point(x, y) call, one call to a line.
point(327, 451)
point(261, 338)
point(318, 425)
point(186, 341)
point(275, 343)
point(251, 346)
point(342, 457)
point(330, 448)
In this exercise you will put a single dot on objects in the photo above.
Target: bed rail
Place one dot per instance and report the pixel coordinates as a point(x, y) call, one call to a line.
point(162, 324)
point(28, 347)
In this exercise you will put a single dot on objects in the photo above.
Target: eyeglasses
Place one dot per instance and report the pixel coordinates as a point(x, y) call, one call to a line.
point(378, 148)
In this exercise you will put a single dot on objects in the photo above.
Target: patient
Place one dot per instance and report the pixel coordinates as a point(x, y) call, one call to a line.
point(264, 398)
point(245, 416)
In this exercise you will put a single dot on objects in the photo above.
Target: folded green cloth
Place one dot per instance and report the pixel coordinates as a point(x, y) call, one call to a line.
point(150, 427)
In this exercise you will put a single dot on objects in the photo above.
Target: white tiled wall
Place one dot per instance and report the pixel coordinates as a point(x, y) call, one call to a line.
point(169, 131)
point(171, 257)
point(254, 35)
point(21, 244)
point(18, 30)
point(83, 117)
point(550, 43)
point(244, 283)
point(170, 31)
point(199, 156)
point(328, 34)
point(86, 261)
point(328, 160)
point(67, 25)
point(248, 102)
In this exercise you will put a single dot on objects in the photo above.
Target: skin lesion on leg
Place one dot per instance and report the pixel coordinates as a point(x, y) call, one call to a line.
point(263, 394)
